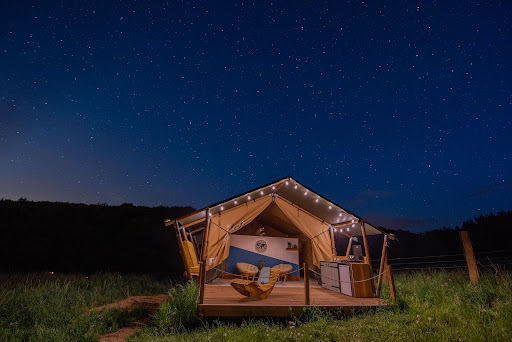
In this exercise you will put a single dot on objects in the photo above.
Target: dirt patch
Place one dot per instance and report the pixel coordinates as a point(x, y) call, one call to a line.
point(150, 303)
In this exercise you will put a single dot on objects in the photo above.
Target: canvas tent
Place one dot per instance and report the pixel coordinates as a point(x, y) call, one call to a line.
point(283, 208)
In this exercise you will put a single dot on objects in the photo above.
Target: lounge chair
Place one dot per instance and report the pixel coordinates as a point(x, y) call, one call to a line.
point(284, 269)
point(191, 257)
point(246, 270)
point(260, 289)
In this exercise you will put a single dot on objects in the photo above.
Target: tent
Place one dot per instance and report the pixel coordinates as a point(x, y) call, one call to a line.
point(284, 211)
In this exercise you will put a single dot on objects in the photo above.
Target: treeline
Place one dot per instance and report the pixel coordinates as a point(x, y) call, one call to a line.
point(67, 237)
point(488, 233)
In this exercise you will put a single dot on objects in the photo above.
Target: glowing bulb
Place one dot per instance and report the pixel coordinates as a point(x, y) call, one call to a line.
point(353, 225)
point(348, 229)
point(248, 197)
point(335, 230)
point(295, 186)
point(236, 202)
point(316, 200)
point(340, 214)
point(306, 193)
point(274, 187)
point(261, 192)
point(353, 221)
point(221, 208)
point(287, 182)
point(330, 207)
point(341, 230)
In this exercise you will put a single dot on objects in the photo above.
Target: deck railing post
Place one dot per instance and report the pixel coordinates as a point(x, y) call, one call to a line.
point(202, 276)
point(306, 282)
point(391, 283)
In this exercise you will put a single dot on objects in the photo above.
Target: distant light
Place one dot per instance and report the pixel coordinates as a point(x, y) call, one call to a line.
point(330, 207)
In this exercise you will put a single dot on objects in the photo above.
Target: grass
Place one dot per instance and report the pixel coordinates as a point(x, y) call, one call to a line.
point(44, 307)
point(431, 306)
point(440, 306)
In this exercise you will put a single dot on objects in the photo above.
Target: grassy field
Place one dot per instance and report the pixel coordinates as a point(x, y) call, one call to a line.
point(439, 306)
point(44, 307)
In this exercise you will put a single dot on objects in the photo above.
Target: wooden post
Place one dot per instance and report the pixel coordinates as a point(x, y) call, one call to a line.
point(382, 263)
point(182, 251)
point(469, 255)
point(202, 266)
point(202, 275)
point(349, 247)
point(333, 244)
point(367, 258)
point(391, 283)
point(306, 282)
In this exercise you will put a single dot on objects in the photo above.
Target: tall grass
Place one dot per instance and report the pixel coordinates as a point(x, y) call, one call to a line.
point(431, 306)
point(47, 307)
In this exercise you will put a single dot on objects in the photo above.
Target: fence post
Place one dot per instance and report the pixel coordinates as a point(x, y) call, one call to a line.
point(469, 255)
point(202, 276)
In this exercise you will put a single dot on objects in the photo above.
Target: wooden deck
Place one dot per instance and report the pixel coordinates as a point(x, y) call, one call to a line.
point(221, 300)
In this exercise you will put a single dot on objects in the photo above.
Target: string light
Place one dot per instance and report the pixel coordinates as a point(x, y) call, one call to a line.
point(306, 193)
point(249, 197)
point(221, 208)
point(236, 202)
point(341, 214)
point(274, 187)
point(335, 230)
point(287, 182)
point(348, 229)
point(295, 186)
point(261, 192)
point(330, 207)
point(353, 225)
point(353, 221)
point(316, 200)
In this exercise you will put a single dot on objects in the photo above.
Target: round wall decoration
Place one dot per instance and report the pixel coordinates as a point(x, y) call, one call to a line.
point(261, 246)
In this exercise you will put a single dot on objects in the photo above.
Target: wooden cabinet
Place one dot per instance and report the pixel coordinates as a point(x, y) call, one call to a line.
point(345, 278)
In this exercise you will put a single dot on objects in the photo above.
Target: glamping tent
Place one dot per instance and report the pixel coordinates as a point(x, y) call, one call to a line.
point(283, 222)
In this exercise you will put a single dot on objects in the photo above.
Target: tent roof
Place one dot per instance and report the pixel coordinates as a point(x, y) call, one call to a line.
point(300, 196)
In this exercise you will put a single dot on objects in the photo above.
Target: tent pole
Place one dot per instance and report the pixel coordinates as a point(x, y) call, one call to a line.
point(382, 263)
point(333, 244)
point(367, 258)
point(349, 247)
point(202, 265)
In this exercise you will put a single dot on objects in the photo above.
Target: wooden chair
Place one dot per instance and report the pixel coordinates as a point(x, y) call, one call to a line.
point(191, 257)
point(252, 288)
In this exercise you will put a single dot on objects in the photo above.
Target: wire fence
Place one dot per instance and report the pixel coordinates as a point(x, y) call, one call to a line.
point(493, 261)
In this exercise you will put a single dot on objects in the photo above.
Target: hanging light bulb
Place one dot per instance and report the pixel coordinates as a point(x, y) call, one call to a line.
point(330, 207)
point(221, 208)
point(348, 229)
point(236, 202)
point(335, 230)
point(353, 221)
point(287, 182)
point(306, 193)
point(341, 214)
point(341, 230)
point(316, 200)
point(295, 186)
point(261, 192)
point(274, 187)
point(353, 225)
point(249, 197)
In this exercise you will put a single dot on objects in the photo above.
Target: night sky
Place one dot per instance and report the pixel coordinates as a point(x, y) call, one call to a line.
point(400, 112)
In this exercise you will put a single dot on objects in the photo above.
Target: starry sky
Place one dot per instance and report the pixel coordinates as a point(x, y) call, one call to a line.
point(399, 111)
